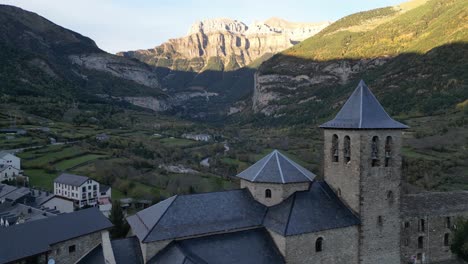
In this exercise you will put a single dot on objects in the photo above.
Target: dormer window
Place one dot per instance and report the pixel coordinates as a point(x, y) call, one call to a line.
point(267, 193)
point(334, 150)
point(375, 152)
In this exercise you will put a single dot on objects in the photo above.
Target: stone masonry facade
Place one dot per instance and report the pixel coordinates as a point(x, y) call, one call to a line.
point(72, 250)
point(279, 192)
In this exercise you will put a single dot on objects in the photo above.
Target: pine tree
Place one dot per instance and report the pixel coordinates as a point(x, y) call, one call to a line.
point(117, 217)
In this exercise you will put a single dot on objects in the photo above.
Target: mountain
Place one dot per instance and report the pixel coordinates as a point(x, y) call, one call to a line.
point(231, 43)
point(414, 57)
point(213, 66)
point(43, 64)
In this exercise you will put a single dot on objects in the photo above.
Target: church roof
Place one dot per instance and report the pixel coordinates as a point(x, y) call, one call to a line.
point(276, 168)
point(309, 211)
point(197, 214)
point(253, 246)
point(363, 111)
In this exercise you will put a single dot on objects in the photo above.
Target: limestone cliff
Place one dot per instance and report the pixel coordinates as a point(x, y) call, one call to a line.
point(232, 41)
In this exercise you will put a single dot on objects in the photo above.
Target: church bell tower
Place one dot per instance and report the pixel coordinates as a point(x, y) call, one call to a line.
point(362, 163)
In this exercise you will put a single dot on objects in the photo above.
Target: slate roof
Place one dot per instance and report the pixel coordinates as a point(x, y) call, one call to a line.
point(246, 247)
point(434, 203)
point(32, 238)
point(103, 188)
point(276, 168)
point(363, 111)
point(71, 179)
point(309, 211)
point(126, 251)
point(188, 215)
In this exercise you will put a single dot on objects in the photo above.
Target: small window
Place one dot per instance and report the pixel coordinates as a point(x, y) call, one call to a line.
point(407, 224)
point(319, 244)
point(419, 256)
point(71, 249)
point(446, 239)
point(334, 150)
point(420, 242)
point(347, 149)
point(422, 225)
point(388, 151)
point(267, 193)
point(57, 251)
point(390, 197)
point(448, 222)
point(375, 152)
point(379, 220)
point(406, 241)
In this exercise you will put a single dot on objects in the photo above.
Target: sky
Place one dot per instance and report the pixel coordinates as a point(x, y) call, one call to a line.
point(121, 25)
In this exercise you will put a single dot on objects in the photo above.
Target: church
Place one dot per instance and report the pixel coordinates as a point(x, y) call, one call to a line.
point(284, 214)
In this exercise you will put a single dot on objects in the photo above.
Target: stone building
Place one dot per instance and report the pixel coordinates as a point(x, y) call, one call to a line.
point(64, 238)
point(283, 214)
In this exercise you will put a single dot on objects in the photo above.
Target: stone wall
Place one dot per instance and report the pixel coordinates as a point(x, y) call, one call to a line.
point(340, 246)
point(433, 247)
point(149, 250)
point(279, 192)
point(373, 192)
point(84, 244)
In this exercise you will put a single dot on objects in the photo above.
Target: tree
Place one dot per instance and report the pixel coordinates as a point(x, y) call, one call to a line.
point(117, 217)
point(459, 244)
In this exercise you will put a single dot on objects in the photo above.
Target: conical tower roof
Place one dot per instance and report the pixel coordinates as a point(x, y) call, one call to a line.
point(363, 111)
point(276, 168)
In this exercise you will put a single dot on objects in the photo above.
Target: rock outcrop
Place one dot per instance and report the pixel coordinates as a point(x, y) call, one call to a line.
point(232, 41)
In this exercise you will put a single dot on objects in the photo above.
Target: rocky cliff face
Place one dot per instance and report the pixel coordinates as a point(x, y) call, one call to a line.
point(232, 41)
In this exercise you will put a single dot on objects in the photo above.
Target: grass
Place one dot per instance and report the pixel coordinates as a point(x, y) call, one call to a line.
point(177, 142)
point(40, 178)
point(70, 163)
point(52, 157)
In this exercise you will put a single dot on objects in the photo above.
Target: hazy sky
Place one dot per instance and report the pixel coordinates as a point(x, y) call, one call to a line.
point(118, 25)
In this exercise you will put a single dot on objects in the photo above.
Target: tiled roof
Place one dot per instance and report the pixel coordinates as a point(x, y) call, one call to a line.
point(434, 203)
point(276, 168)
point(32, 238)
point(363, 111)
point(246, 247)
point(71, 179)
point(309, 211)
point(188, 215)
point(127, 251)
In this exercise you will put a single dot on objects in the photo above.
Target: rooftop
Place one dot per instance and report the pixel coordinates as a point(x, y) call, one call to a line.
point(208, 213)
point(71, 179)
point(188, 215)
point(36, 237)
point(363, 111)
point(246, 247)
point(276, 168)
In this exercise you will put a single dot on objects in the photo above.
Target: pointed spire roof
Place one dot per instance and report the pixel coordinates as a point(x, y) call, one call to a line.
point(363, 111)
point(276, 168)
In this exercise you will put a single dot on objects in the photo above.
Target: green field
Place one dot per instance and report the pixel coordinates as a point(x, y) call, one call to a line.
point(41, 179)
point(177, 142)
point(70, 163)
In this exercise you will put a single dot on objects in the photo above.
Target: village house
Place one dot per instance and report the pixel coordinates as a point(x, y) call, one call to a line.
point(64, 238)
point(10, 166)
point(197, 137)
point(83, 190)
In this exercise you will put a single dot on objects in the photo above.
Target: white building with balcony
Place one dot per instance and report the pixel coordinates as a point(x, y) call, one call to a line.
point(83, 190)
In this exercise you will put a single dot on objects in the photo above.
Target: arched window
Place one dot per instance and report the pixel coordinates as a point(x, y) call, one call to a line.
point(390, 197)
point(334, 149)
point(388, 150)
point(375, 152)
point(422, 226)
point(347, 149)
point(446, 239)
point(421, 242)
point(267, 193)
point(319, 244)
point(448, 222)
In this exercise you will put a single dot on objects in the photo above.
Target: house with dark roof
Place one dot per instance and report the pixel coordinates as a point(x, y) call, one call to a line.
point(65, 238)
point(83, 190)
point(10, 166)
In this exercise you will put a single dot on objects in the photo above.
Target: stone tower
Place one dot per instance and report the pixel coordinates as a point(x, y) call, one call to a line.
point(362, 163)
